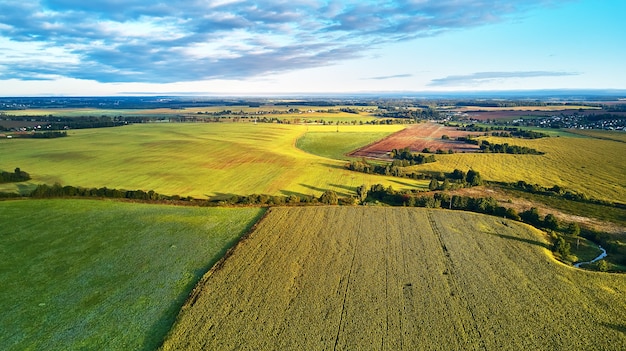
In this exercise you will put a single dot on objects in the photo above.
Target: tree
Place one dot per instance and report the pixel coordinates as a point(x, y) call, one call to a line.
point(458, 174)
point(329, 197)
point(445, 185)
point(434, 184)
point(573, 229)
point(361, 192)
point(530, 216)
point(473, 178)
point(561, 247)
point(550, 222)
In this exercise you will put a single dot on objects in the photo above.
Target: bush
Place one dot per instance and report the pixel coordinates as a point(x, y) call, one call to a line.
point(329, 197)
point(602, 266)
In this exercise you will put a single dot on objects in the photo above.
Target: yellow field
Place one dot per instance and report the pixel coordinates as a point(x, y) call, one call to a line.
point(326, 278)
point(592, 166)
point(199, 160)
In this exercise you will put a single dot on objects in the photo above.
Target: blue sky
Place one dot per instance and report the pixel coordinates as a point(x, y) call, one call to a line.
point(107, 47)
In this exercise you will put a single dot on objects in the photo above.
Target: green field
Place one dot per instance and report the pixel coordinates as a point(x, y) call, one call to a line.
point(322, 278)
point(335, 142)
point(188, 159)
point(101, 275)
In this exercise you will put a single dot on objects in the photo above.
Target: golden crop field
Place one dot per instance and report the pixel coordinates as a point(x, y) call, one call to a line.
point(189, 159)
point(589, 165)
point(339, 278)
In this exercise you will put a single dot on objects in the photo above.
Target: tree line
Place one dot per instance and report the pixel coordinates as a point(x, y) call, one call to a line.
point(412, 158)
point(507, 132)
point(42, 135)
point(44, 191)
point(505, 148)
point(487, 147)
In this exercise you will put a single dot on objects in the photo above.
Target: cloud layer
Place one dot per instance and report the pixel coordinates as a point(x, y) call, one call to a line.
point(484, 77)
point(159, 41)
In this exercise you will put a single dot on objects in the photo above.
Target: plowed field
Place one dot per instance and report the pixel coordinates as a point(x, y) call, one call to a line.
point(339, 278)
point(418, 137)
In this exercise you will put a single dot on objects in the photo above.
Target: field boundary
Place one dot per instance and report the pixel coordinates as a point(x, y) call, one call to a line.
point(353, 152)
point(193, 296)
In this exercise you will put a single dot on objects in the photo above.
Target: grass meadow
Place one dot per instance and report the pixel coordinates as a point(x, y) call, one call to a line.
point(335, 142)
point(200, 160)
point(85, 274)
point(322, 278)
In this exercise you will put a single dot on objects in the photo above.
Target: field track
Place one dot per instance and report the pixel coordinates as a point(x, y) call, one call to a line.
point(339, 278)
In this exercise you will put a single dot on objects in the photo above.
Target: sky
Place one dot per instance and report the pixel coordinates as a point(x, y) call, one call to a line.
point(232, 47)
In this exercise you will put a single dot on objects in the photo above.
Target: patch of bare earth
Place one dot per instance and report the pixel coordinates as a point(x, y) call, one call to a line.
point(417, 138)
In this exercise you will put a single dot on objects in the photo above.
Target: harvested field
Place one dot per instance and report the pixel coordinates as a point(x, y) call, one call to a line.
point(338, 278)
point(418, 137)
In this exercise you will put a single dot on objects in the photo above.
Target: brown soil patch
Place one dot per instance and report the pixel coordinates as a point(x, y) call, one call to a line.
point(417, 138)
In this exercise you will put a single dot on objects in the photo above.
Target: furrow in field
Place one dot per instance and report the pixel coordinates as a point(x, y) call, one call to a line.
point(398, 279)
point(470, 329)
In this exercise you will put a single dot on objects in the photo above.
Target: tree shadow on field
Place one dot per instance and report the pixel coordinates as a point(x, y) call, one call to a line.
point(527, 241)
point(619, 327)
point(289, 193)
point(405, 184)
point(323, 190)
point(219, 196)
point(351, 189)
point(25, 189)
point(332, 165)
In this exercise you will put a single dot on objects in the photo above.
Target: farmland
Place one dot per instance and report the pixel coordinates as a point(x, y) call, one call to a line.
point(293, 113)
point(417, 138)
point(591, 165)
point(83, 274)
point(188, 159)
point(398, 278)
point(309, 277)
point(338, 142)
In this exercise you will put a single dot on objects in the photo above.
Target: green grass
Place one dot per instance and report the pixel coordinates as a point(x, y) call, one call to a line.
point(582, 250)
point(84, 274)
point(335, 142)
point(188, 159)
